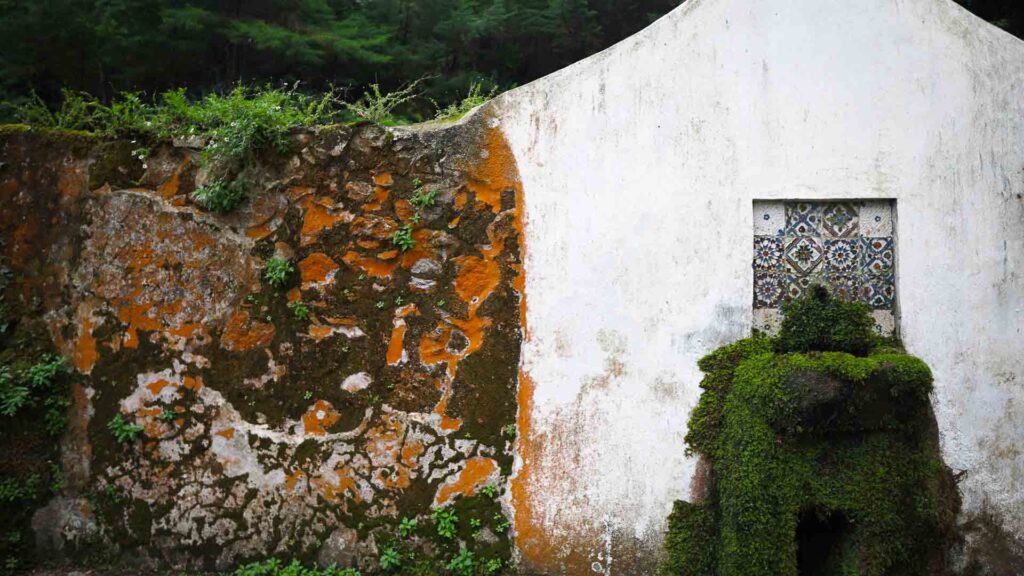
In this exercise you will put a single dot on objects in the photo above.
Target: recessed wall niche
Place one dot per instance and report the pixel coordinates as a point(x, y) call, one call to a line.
point(847, 245)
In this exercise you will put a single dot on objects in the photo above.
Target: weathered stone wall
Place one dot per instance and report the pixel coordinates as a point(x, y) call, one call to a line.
point(264, 433)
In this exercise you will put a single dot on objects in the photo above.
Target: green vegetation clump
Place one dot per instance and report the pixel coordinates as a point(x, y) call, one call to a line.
point(798, 430)
point(277, 271)
point(402, 238)
point(299, 309)
point(220, 196)
point(820, 322)
point(274, 567)
point(122, 430)
point(476, 96)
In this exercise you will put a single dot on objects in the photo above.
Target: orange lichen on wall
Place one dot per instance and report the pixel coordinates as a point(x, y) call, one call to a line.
point(319, 418)
point(85, 354)
point(169, 189)
point(477, 278)
point(317, 270)
point(476, 474)
point(319, 214)
point(242, 333)
point(397, 341)
point(371, 266)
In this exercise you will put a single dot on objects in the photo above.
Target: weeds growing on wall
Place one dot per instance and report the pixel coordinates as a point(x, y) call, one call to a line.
point(33, 403)
point(231, 129)
point(821, 424)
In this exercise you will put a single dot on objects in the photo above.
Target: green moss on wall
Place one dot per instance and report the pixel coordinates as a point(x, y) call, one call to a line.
point(798, 428)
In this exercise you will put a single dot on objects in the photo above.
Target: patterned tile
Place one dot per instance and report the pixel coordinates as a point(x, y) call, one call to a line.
point(879, 256)
point(803, 255)
point(767, 253)
point(769, 218)
point(878, 291)
point(885, 322)
point(803, 219)
point(767, 320)
point(876, 218)
point(844, 286)
point(839, 219)
point(843, 255)
point(847, 246)
point(767, 289)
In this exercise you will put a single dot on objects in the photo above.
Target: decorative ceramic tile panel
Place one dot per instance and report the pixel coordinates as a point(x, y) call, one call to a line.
point(847, 246)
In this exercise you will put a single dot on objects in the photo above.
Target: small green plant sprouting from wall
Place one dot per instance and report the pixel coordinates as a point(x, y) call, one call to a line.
point(220, 195)
point(274, 567)
point(122, 430)
point(462, 564)
point(402, 238)
point(446, 522)
point(422, 198)
point(277, 271)
point(475, 97)
point(299, 310)
point(389, 558)
point(378, 107)
point(407, 527)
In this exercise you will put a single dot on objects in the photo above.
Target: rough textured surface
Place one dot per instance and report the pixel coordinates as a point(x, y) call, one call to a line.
point(640, 166)
point(265, 434)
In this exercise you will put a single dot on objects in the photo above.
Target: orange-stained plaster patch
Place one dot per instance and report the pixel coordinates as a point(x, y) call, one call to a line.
point(169, 188)
point(157, 386)
point(193, 383)
point(319, 214)
point(319, 418)
point(476, 474)
point(477, 278)
point(85, 354)
point(396, 350)
point(383, 179)
point(371, 266)
point(241, 333)
point(227, 433)
point(404, 209)
point(317, 270)
point(292, 479)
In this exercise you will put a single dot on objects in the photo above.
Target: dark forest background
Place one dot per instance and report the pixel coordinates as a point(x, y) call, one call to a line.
point(108, 46)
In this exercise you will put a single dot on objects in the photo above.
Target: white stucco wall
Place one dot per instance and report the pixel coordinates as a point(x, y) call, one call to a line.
point(639, 166)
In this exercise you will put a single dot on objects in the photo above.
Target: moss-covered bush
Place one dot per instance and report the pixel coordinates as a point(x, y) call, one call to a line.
point(821, 322)
point(801, 427)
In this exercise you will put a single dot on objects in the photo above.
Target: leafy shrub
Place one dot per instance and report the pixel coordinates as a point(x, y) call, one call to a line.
point(122, 430)
point(277, 271)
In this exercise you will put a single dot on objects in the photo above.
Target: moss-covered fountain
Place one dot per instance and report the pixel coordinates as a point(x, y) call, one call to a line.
point(819, 455)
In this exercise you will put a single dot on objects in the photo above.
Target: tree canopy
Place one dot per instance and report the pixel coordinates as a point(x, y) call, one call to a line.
point(108, 46)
